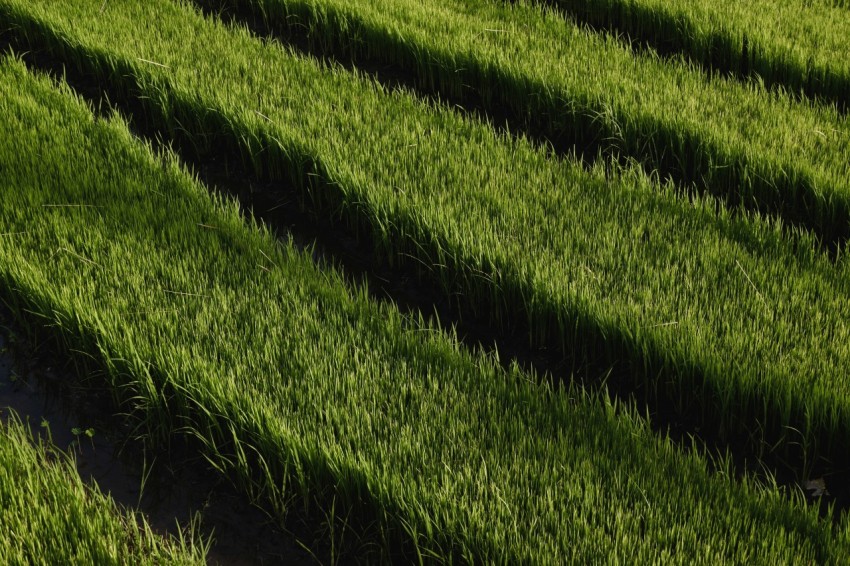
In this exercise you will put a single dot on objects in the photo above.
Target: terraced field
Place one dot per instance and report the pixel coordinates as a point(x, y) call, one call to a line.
point(650, 228)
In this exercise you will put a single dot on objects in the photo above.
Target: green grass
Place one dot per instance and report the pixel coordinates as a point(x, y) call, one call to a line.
point(798, 45)
point(726, 319)
point(49, 516)
point(300, 387)
point(736, 141)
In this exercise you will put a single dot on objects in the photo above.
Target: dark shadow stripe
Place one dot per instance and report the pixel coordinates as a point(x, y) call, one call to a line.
point(167, 485)
point(718, 51)
point(179, 479)
point(569, 126)
point(677, 397)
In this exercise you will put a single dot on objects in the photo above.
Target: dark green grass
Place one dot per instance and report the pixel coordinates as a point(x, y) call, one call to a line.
point(727, 320)
point(302, 388)
point(589, 94)
point(49, 516)
point(798, 46)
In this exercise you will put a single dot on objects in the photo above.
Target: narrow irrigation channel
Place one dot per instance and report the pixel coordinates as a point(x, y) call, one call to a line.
point(411, 291)
point(175, 491)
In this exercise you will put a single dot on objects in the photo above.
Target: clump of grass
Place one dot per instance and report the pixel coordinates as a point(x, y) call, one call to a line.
point(589, 94)
point(798, 46)
point(49, 516)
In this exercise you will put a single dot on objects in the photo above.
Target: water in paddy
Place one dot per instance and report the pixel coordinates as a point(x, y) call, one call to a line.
point(173, 492)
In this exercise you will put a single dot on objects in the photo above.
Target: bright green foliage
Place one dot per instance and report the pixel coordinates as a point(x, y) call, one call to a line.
point(742, 327)
point(797, 44)
point(306, 387)
point(734, 140)
point(49, 516)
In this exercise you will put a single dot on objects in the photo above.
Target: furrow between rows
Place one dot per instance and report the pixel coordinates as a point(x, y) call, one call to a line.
point(722, 318)
point(589, 95)
point(300, 388)
point(795, 46)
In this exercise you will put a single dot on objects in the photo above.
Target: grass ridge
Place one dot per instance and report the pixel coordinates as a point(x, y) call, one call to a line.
point(667, 347)
point(644, 123)
point(740, 49)
point(331, 390)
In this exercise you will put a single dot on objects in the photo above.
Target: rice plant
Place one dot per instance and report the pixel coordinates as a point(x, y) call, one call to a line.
point(798, 46)
point(49, 516)
point(298, 386)
point(732, 318)
point(589, 94)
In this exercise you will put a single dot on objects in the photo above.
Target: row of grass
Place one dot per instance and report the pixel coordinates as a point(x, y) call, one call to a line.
point(49, 516)
point(763, 151)
point(797, 45)
point(723, 318)
point(300, 387)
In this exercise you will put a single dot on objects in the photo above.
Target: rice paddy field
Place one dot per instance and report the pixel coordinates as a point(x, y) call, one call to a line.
point(456, 281)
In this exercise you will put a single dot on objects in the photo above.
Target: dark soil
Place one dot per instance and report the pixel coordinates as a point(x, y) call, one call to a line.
point(168, 488)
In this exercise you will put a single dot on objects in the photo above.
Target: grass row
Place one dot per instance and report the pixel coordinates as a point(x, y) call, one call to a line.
point(300, 387)
point(797, 45)
point(722, 318)
point(752, 148)
point(49, 516)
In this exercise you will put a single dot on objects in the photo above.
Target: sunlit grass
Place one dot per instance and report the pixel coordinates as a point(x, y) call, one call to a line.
point(49, 516)
point(300, 388)
point(737, 141)
point(729, 318)
point(798, 45)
